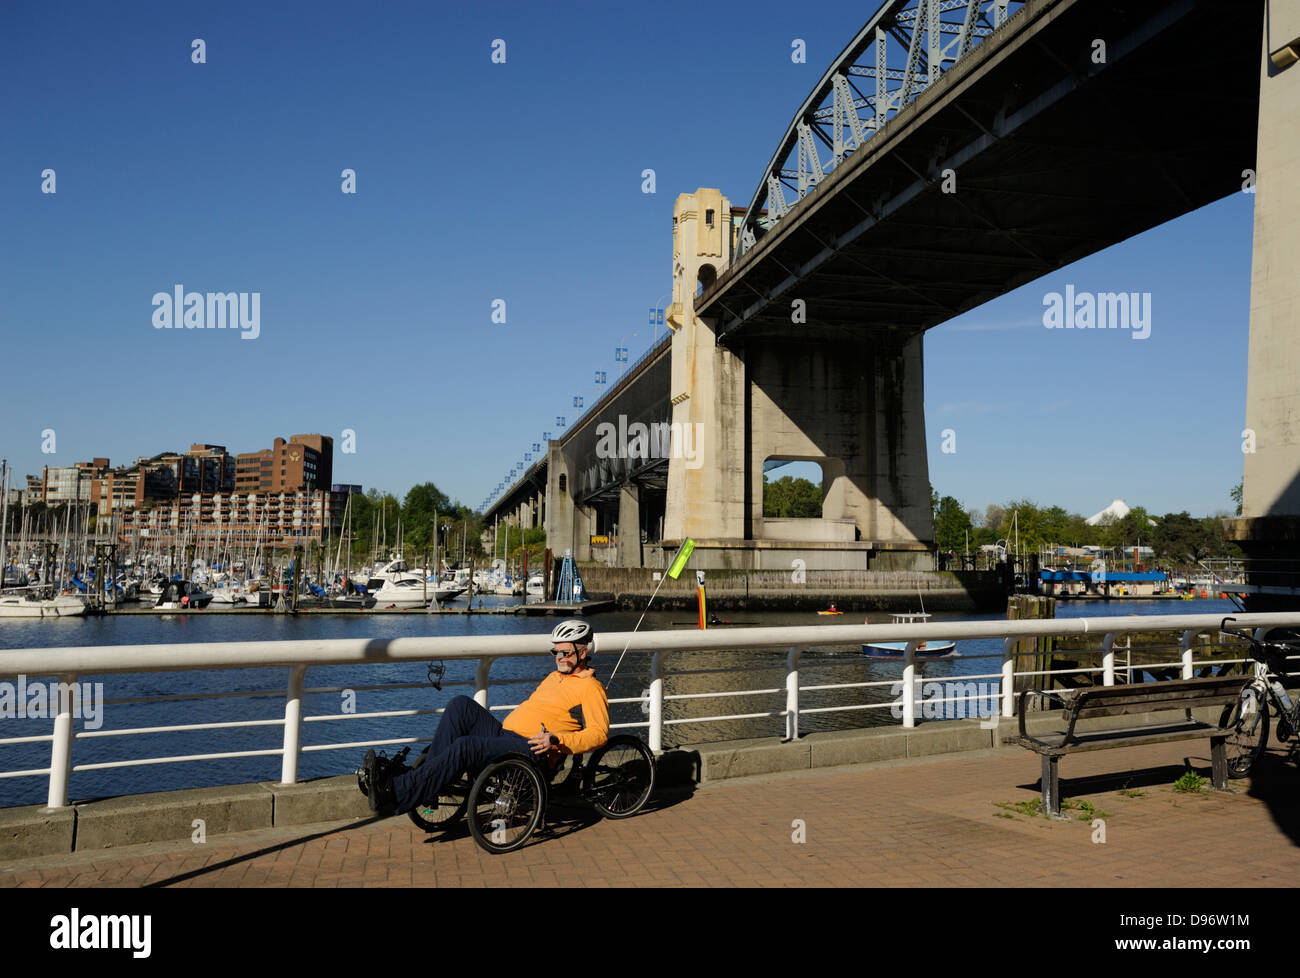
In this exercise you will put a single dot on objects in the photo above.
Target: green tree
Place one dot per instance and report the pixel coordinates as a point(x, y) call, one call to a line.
point(1236, 495)
point(790, 498)
point(422, 505)
point(951, 523)
point(1130, 530)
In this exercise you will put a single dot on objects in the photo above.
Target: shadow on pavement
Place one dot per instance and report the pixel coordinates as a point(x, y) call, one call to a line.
point(245, 857)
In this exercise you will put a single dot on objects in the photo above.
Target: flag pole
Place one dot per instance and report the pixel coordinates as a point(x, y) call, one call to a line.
point(678, 563)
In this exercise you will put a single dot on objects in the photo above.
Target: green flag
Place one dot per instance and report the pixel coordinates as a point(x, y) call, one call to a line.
point(682, 556)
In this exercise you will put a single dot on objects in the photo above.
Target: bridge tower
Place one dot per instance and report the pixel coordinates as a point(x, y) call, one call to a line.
point(789, 392)
point(1269, 529)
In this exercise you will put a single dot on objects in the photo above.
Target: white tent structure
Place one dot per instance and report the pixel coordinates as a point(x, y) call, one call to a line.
point(1117, 510)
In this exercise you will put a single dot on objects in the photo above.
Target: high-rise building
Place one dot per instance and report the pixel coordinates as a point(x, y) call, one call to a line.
point(303, 463)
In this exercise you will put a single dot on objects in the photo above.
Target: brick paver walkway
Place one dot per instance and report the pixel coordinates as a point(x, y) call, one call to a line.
point(919, 823)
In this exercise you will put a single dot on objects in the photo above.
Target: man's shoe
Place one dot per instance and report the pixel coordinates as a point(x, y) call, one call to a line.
point(375, 779)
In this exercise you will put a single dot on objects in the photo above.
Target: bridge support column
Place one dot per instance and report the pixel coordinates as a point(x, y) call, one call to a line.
point(629, 525)
point(559, 503)
point(1269, 529)
point(805, 390)
point(584, 524)
point(856, 407)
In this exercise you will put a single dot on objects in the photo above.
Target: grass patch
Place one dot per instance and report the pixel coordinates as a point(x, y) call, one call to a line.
point(1032, 807)
point(1083, 810)
point(1132, 792)
point(1191, 783)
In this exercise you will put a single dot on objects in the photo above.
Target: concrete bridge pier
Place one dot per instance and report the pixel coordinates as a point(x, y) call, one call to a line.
point(629, 525)
point(1269, 528)
point(800, 387)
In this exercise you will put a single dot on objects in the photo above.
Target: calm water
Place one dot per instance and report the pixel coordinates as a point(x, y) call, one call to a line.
point(765, 670)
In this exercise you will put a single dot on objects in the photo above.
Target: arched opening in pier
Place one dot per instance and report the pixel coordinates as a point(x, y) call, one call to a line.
point(707, 276)
point(793, 488)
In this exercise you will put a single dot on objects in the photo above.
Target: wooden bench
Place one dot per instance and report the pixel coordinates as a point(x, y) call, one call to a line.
point(1182, 695)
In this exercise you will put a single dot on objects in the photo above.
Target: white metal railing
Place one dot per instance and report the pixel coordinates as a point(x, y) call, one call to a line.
point(68, 663)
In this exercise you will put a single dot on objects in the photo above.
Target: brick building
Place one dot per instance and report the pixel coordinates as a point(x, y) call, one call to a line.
point(303, 463)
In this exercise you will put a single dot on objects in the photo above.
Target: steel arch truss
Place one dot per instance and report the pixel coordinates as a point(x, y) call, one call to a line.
point(870, 82)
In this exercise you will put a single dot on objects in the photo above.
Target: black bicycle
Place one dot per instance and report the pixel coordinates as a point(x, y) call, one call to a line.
point(1248, 718)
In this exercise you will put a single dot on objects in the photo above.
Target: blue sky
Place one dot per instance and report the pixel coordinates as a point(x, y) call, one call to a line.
point(518, 181)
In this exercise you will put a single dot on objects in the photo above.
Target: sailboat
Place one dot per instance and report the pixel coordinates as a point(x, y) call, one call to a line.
point(31, 603)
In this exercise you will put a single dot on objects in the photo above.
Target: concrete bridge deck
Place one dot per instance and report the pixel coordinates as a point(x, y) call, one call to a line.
point(926, 821)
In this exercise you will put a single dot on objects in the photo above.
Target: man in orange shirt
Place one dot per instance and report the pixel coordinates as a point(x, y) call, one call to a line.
point(468, 736)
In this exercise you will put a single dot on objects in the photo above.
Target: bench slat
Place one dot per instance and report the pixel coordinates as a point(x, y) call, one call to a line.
point(1130, 737)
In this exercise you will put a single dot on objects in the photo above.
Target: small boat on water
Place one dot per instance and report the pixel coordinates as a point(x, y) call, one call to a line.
point(31, 605)
point(183, 596)
point(929, 649)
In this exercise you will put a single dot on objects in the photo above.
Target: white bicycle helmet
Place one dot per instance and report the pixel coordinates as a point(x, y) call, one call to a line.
point(573, 630)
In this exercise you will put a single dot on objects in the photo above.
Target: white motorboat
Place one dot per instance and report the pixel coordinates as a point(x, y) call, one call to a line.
point(535, 585)
point(31, 605)
point(445, 591)
point(931, 648)
point(409, 592)
point(391, 572)
point(229, 594)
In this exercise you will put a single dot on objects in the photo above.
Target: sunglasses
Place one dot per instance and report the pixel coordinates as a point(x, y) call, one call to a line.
point(558, 652)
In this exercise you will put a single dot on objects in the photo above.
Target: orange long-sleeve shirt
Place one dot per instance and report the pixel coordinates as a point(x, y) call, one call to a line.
point(553, 703)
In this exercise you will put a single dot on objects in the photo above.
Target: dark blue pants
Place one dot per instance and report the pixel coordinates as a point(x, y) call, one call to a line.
point(467, 738)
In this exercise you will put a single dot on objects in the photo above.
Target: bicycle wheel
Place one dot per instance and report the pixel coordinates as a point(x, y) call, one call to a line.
point(445, 810)
point(1248, 720)
point(506, 804)
point(620, 777)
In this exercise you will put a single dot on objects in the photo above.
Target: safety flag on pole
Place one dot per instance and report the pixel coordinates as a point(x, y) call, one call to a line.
point(682, 556)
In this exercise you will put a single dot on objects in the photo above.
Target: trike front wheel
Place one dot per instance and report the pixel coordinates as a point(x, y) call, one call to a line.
point(445, 810)
point(506, 804)
point(620, 778)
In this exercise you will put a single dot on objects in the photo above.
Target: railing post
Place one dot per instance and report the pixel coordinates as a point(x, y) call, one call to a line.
point(1108, 659)
point(657, 702)
point(1008, 676)
point(481, 681)
point(909, 687)
point(1188, 637)
point(61, 750)
point(292, 726)
point(792, 693)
